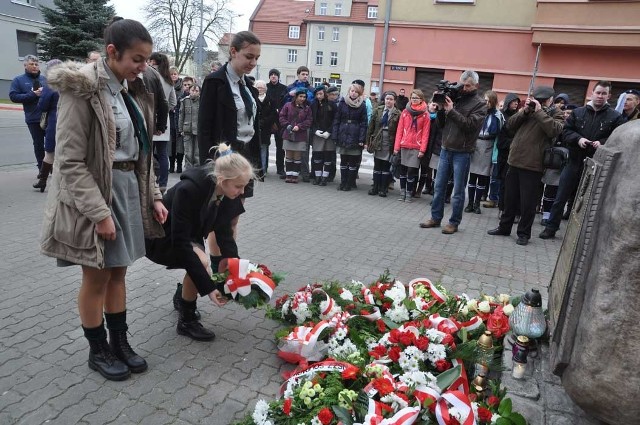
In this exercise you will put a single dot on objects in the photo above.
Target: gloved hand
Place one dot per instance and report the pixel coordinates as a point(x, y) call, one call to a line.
point(326, 134)
point(319, 133)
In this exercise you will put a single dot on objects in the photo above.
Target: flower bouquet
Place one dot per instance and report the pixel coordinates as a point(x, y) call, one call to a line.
point(388, 353)
point(249, 284)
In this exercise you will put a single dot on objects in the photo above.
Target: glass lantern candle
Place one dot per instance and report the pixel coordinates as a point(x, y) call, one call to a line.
point(484, 353)
point(528, 319)
point(519, 365)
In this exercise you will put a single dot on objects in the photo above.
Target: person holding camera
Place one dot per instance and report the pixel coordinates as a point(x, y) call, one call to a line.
point(534, 127)
point(461, 114)
point(587, 128)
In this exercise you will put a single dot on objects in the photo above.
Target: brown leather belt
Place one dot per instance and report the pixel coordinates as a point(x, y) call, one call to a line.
point(124, 165)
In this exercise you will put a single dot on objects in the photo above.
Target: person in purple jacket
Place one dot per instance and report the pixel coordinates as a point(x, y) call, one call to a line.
point(295, 119)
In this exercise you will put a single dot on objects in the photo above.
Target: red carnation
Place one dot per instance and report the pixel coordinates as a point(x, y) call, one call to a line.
point(381, 325)
point(447, 340)
point(378, 351)
point(286, 407)
point(325, 416)
point(387, 305)
point(407, 338)
point(493, 401)
point(484, 414)
point(265, 270)
point(364, 312)
point(394, 353)
point(443, 365)
point(394, 336)
point(422, 343)
point(383, 386)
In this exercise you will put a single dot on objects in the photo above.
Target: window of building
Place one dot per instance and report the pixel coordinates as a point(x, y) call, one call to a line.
point(338, 10)
point(323, 8)
point(336, 82)
point(336, 33)
point(372, 12)
point(292, 56)
point(317, 81)
point(319, 55)
point(294, 31)
point(27, 43)
point(321, 33)
point(334, 59)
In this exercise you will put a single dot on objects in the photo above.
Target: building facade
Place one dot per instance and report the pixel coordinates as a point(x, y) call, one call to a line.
point(20, 24)
point(581, 42)
point(333, 38)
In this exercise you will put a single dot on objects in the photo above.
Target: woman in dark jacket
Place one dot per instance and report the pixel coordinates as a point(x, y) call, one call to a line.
point(322, 110)
point(349, 133)
point(295, 118)
point(381, 135)
point(268, 118)
point(48, 104)
point(205, 200)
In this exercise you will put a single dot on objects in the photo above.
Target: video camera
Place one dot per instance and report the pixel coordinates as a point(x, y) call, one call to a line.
point(445, 88)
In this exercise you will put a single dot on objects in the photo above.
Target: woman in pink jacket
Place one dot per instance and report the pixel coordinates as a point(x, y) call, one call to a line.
point(412, 138)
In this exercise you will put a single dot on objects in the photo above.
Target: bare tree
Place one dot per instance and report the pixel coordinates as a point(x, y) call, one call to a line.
point(175, 24)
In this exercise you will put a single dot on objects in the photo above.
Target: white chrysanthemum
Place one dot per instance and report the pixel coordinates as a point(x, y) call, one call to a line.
point(357, 283)
point(340, 334)
point(436, 352)
point(346, 295)
point(413, 352)
point(408, 364)
point(343, 351)
point(260, 412)
point(414, 378)
point(398, 314)
point(315, 421)
point(302, 313)
point(286, 307)
point(397, 293)
point(396, 402)
point(435, 335)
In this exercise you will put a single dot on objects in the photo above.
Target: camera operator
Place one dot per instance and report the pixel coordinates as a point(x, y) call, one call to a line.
point(586, 129)
point(460, 119)
point(534, 128)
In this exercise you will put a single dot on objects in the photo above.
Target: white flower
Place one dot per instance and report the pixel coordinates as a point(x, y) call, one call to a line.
point(507, 309)
point(302, 313)
point(434, 335)
point(315, 421)
point(398, 314)
point(346, 295)
point(397, 293)
point(495, 418)
point(484, 307)
point(260, 413)
point(436, 352)
point(396, 402)
point(489, 298)
point(413, 352)
point(504, 298)
point(472, 304)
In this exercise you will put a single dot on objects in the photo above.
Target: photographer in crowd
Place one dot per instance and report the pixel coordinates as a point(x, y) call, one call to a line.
point(534, 127)
point(586, 129)
point(460, 115)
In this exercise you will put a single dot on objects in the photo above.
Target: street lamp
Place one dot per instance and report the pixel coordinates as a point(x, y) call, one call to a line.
point(239, 15)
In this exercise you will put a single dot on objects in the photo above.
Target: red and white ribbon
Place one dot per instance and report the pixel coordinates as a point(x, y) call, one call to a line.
point(240, 279)
point(347, 370)
point(460, 402)
point(435, 292)
point(300, 344)
point(368, 296)
point(444, 324)
point(406, 416)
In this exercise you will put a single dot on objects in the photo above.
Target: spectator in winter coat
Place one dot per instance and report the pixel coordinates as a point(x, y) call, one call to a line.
point(349, 133)
point(276, 92)
point(324, 149)
point(412, 138)
point(295, 118)
point(301, 83)
point(381, 136)
point(188, 127)
point(267, 121)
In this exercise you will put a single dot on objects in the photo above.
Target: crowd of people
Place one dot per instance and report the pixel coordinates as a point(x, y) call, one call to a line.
point(125, 120)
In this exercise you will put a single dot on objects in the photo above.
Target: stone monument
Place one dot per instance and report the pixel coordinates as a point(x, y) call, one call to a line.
point(594, 296)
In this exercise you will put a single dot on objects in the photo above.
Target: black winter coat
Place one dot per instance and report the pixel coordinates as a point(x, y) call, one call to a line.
point(349, 125)
point(217, 119)
point(193, 214)
point(322, 113)
point(591, 124)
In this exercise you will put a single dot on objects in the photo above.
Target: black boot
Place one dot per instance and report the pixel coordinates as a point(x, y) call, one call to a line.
point(344, 178)
point(177, 296)
point(384, 185)
point(172, 164)
point(323, 181)
point(376, 184)
point(117, 325)
point(476, 206)
point(101, 357)
point(353, 175)
point(189, 325)
point(179, 158)
point(45, 169)
point(471, 193)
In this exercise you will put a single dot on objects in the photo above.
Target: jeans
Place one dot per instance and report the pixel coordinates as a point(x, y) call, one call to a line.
point(495, 183)
point(37, 135)
point(163, 163)
point(457, 163)
point(569, 180)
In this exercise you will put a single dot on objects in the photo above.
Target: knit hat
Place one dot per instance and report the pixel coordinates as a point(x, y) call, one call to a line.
point(332, 89)
point(274, 71)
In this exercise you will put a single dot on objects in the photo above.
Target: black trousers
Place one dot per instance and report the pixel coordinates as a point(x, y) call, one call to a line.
point(279, 152)
point(522, 189)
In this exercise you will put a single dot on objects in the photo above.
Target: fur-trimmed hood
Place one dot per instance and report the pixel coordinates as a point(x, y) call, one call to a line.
point(82, 80)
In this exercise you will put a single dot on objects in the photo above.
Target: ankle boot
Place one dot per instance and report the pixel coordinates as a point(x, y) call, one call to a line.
point(476, 207)
point(421, 183)
point(344, 178)
point(101, 358)
point(123, 351)
point(353, 176)
point(172, 164)
point(403, 195)
point(179, 158)
point(45, 169)
point(189, 325)
point(323, 181)
point(177, 296)
point(376, 184)
point(317, 180)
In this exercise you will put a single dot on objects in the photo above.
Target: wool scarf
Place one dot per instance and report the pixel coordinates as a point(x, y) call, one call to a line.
point(354, 103)
point(415, 112)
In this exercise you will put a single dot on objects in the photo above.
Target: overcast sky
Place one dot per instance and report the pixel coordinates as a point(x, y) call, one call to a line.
point(132, 9)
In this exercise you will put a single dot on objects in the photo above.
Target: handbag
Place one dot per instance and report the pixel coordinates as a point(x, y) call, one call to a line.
point(555, 158)
point(43, 120)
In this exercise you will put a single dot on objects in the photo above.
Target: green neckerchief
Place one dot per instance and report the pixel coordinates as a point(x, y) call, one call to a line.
point(138, 122)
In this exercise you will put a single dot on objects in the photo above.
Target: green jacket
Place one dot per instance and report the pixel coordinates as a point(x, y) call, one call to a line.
point(374, 131)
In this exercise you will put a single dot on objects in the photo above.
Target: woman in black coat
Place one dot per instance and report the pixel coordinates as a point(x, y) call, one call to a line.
point(205, 200)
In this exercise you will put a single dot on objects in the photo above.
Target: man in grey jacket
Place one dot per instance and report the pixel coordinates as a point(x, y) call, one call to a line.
point(461, 120)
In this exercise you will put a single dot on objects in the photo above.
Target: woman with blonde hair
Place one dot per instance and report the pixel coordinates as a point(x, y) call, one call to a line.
point(205, 200)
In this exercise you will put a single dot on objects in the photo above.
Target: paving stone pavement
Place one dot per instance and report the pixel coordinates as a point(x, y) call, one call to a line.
point(308, 232)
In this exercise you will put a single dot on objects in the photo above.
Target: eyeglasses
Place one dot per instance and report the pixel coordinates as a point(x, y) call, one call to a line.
point(415, 98)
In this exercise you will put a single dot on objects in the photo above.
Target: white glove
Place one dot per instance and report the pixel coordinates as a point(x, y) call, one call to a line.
point(319, 133)
point(326, 134)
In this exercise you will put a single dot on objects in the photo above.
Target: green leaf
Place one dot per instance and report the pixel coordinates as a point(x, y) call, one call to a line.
point(517, 418)
point(446, 378)
point(463, 334)
point(505, 407)
point(504, 421)
point(343, 415)
point(390, 323)
point(361, 406)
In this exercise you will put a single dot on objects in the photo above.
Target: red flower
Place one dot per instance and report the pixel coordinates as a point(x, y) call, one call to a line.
point(381, 325)
point(350, 307)
point(443, 365)
point(378, 351)
point(493, 401)
point(484, 414)
point(383, 386)
point(394, 353)
point(364, 312)
point(286, 407)
point(265, 270)
point(386, 306)
point(407, 338)
point(422, 343)
point(394, 336)
point(351, 372)
point(498, 323)
point(325, 416)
